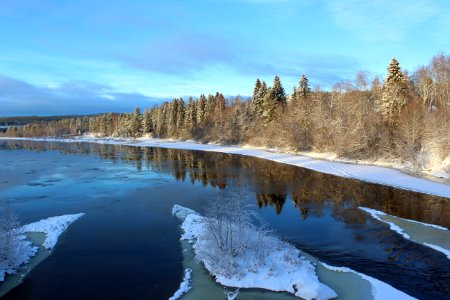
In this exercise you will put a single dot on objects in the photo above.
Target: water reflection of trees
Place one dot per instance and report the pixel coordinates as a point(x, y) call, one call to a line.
point(274, 183)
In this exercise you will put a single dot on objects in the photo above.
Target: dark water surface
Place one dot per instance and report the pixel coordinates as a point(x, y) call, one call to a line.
point(127, 245)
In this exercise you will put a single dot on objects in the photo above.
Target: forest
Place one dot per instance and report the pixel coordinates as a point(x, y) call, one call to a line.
point(403, 118)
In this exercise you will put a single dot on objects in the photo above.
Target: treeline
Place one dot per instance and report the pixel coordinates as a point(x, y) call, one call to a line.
point(404, 117)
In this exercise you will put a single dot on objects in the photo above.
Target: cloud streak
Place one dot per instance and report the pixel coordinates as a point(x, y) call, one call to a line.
point(18, 97)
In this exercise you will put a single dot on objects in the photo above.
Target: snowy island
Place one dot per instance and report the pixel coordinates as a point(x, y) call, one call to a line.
point(261, 260)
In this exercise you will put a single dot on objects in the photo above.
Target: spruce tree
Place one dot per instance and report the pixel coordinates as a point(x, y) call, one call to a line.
point(304, 90)
point(270, 104)
point(136, 123)
point(147, 121)
point(191, 115)
point(172, 121)
point(210, 103)
point(201, 108)
point(278, 91)
point(394, 95)
point(180, 113)
point(258, 98)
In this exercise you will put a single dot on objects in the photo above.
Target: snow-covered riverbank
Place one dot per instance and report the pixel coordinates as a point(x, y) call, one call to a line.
point(367, 173)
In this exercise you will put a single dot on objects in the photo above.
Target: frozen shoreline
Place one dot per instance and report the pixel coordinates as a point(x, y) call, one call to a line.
point(429, 235)
point(368, 173)
point(380, 289)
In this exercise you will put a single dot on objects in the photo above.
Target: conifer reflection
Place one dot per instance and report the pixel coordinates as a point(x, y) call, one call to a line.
point(274, 183)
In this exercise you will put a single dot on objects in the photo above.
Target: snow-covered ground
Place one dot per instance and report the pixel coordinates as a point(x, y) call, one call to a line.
point(185, 285)
point(430, 235)
point(53, 227)
point(283, 269)
point(368, 173)
point(25, 250)
point(288, 269)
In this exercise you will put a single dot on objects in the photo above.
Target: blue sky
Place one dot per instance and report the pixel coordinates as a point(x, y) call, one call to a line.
point(71, 57)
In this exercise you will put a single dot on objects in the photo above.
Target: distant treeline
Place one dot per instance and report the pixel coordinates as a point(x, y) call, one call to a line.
point(23, 120)
point(406, 116)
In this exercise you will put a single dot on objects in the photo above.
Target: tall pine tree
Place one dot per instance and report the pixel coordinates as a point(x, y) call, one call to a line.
point(201, 109)
point(278, 91)
point(304, 90)
point(395, 93)
point(258, 98)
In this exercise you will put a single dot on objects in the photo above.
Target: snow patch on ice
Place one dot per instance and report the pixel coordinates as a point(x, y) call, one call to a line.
point(53, 227)
point(185, 285)
point(284, 269)
point(380, 289)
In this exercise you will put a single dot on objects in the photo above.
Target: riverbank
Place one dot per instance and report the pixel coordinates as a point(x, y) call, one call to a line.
point(368, 173)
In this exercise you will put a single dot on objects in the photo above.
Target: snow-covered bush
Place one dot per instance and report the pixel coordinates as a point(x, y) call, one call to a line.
point(12, 244)
point(8, 234)
point(234, 232)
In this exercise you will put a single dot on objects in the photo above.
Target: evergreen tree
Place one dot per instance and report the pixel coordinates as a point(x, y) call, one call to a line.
point(278, 91)
point(191, 115)
point(270, 104)
point(136, 123)
point(147, 124)
point(258, 98)
point(181, 111)
point(220, 103)
point(201, 108)
point(304, 90)
point(394, 95)
point(108, 129)
point(172, 121)
point(210, 103)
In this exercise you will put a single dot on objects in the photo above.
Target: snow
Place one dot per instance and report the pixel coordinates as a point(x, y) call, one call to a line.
point(380, 289)
point(378, 214)
point(232, 295)
point(52, 227)
point(24, 250)
point(282, 269)
point(367, 173)
point(438, 248)
point(375, 213)
point(182, 212)
point(185, 285)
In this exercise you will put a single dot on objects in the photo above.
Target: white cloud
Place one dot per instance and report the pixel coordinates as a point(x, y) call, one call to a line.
point(375, 20)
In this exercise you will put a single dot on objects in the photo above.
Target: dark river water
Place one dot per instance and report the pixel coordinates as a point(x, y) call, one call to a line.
point(127, 245)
